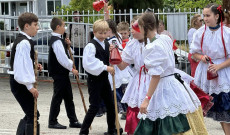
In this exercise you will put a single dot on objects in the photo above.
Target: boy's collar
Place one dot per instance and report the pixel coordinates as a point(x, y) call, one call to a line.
point(56, 34)
point(23, 33)
point(98, 40)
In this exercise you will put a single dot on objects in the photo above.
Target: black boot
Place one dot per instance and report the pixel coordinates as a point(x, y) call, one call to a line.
point(21, 127)
point(30, 129)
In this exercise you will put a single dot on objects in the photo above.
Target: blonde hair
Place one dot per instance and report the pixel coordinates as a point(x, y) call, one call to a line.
point(193, 21)
point(123, 26)
point(100, 25)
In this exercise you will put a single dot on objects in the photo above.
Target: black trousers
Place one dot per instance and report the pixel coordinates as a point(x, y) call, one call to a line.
point(62, 90)
point(99, 89)
point(24, 98)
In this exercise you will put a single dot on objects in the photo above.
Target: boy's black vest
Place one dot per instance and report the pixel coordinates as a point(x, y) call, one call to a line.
point(54, 67)
point(19, 38)
point(103, 55)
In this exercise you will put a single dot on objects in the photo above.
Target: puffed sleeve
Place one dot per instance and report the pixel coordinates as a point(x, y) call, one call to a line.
point(155, 57)
point(227, 39)
point(23, 65)
point(127, 54)
point(196, 42)
point(90, 63)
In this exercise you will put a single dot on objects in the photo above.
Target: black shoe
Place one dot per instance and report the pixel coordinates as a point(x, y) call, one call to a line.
point(57, 126)
point(99, 114)
point(82, 134)
point(75, 124)
point(114, 132)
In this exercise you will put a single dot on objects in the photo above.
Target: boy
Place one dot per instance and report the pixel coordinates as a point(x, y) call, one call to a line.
point(22, 77)
point(123, 29)
point(59, 67)
point(96, 64)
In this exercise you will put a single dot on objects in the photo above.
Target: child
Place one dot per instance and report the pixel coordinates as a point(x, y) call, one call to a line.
point(121, 77)
point(212, 42)
point(123, 29)
point(96, 64)
point(22, 74)
point(59, 67)
point(167, 99)
point(137, 87)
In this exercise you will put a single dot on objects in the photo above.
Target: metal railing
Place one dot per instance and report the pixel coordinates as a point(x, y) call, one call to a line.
point(176, 22)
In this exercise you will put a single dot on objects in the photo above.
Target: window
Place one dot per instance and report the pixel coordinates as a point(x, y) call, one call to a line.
point(5, 8)
point(52, 6)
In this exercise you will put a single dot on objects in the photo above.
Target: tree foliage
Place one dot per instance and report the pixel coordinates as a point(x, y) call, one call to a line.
point(187, 4)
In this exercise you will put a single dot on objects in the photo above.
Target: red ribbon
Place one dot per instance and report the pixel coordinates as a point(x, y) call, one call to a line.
point(145, 70)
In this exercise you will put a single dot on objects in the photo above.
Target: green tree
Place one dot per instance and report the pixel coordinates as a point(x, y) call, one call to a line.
point(136, 4)
point(181, 4)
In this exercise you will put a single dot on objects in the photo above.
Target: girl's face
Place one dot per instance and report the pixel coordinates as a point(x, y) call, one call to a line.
point(209, 18)
point(109, 33)
point(137, 35)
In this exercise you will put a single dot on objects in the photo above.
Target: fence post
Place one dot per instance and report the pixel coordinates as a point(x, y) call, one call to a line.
point(130, 15)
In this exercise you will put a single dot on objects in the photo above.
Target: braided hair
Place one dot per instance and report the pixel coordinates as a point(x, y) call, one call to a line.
point(148, 22)
point(113, 27)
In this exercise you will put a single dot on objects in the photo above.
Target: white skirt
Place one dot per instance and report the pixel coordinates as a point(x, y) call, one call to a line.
point(134, 96)
point(217, 85)
point(170, 99)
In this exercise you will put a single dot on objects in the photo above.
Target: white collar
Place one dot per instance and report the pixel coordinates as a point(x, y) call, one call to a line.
point(23, 33)
point(56, 34)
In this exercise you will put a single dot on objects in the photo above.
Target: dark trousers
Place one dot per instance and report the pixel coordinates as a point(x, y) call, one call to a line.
point(99, 89)
point(62, 90)
point(24, 98)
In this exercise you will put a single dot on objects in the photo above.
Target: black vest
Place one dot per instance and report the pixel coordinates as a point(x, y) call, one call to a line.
point(54, 67)
point(19, 38)
point(103, 55)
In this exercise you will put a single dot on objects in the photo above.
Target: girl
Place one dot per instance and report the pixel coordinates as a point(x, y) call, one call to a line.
point(121, 77)
point(211, 42)
point(137, 87)
point(170, 106)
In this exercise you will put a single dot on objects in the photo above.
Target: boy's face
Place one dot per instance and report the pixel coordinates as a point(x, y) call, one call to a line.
point(124, 34)
point(100, 35)
point(61, 29)
point(32, 29)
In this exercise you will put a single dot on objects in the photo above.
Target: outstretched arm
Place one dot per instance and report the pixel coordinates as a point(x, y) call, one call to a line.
point(106, 11)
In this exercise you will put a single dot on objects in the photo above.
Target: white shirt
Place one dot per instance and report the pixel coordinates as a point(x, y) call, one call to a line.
point(23, 64)
point(92, 64)
point(61, 56)
point(190, 35)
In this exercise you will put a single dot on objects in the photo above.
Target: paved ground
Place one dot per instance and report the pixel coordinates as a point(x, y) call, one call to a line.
point(11, 113)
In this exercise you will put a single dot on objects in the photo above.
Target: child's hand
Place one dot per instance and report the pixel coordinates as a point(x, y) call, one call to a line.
point(204, 58)
point(34, 92)
point(40, 67)
point(68, 42)
point(111, 70)
point(75, 72)
point(214, 68)
point(111, 47)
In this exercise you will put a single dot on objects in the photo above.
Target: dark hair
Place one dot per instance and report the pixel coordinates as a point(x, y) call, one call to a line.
point(55, 22)
point(113, 27)
point(26, 18)
point(148, 22)
point(214, 9)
